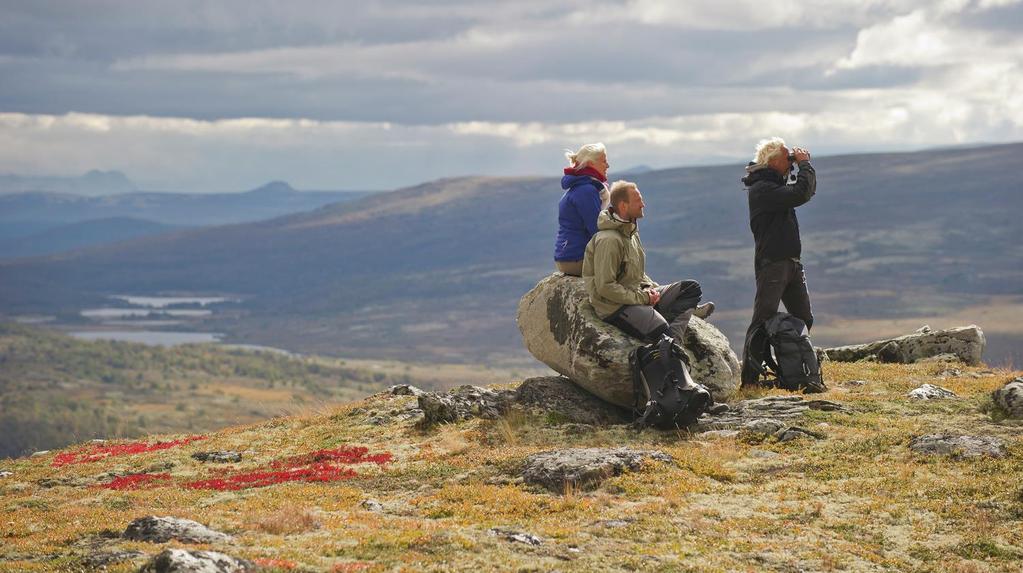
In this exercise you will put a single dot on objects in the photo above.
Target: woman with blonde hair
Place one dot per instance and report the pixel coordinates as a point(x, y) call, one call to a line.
point(586, 195)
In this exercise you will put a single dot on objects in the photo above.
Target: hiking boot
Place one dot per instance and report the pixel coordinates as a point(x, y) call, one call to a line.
point(704, 310)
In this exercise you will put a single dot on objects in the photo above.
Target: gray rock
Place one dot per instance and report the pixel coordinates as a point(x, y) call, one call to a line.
point(765, 426)
point(561, 329)
point(517, 536)
point(958, 446)
point(763, 454)
point(182, 561)
point(966, 343)
point(615, 523)
point(218, 457)
point(781, 409)
point(404, 390)
point(567, 402)
point(931, 392)
point(161, 529)
point(1010, 397)
point(796, 433)
point(463, 403)
point(583, 467)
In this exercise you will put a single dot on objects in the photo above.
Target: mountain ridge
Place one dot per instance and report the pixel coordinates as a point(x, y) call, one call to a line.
point(887, 236)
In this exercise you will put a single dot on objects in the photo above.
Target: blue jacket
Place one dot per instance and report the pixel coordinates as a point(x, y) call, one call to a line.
point(577, 216)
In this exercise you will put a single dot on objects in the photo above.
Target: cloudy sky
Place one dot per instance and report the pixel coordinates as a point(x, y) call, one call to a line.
point(374, 94)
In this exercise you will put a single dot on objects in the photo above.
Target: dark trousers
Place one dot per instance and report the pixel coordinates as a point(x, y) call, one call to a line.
point(670, 315)
point(780, 282)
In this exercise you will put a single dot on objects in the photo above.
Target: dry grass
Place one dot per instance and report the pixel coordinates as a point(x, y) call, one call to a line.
point(857, 501)
point(290, 519)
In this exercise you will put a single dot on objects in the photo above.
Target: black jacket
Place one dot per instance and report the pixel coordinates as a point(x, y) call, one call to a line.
point(772, 213)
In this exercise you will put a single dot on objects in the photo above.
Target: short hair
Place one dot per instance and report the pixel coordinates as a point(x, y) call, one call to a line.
point(767, 149)
point(620, 192)
point(586, 155)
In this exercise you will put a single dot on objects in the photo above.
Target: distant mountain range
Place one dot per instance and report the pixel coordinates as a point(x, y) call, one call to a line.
point(435, 271)
point(94, 183)
point(38, 222)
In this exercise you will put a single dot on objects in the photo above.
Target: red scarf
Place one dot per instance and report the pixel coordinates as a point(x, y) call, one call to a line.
point(586, 171)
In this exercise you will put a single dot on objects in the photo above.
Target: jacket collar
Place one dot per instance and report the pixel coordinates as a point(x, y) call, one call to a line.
point(608, 221)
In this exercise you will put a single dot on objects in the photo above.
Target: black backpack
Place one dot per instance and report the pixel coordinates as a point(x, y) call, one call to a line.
point(779, 353)
point(665, 395)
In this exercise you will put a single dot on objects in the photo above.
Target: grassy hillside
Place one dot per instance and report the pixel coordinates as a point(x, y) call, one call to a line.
point(436, 270)
point(856, 500)
point(56, 390)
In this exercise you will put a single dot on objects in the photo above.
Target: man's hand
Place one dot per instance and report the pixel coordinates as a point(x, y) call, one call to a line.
point(654, 295)
point(801, 154)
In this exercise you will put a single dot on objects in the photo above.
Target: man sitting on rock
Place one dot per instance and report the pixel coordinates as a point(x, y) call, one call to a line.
point(614, 270)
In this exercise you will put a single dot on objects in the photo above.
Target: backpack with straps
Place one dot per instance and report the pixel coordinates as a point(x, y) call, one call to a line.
point(779, 353)
point(666, 396)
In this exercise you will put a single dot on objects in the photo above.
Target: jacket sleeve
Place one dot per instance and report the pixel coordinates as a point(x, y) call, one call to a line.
point(794, 195)
point(607, 259)
point(588, 206)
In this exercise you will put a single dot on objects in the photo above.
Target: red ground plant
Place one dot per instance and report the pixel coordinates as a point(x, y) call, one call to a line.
point(347, 455)
point(134, 481)
point(102, 452)
point(318, 466)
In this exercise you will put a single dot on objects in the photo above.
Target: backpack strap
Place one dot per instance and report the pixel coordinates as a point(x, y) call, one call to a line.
point(637, 381)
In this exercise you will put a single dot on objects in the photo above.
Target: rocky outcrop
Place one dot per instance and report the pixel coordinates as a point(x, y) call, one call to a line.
point(182, 561)
point(561, 329)
point(966, 343)
point(463, 403)
point(1010, 398)
point(562, 401)
point(584, 467)
point(957, 446)
point(162, 529)
point(931, 392)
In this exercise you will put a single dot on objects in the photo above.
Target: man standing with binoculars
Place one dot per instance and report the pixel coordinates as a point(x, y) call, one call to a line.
point(772, 213)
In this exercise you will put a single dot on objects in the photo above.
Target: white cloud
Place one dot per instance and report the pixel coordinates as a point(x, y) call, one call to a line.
point(931, 36)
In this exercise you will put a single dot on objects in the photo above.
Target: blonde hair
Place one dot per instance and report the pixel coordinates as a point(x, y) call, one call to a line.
point(620, 192)
point(586, 155)
point(766, 150)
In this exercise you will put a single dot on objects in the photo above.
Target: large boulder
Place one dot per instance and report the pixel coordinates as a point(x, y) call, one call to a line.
point(561, 329)
point(965, 342)
point(162, 529)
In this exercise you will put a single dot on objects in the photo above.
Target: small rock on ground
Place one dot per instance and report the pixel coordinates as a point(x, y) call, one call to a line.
point(516, 536)
point(161, 529)
point(584, 467)
point(373, 505)
point(182, 561)
point(404, 390)
point(958, 446)
point(931, 392)
point(1010, 398)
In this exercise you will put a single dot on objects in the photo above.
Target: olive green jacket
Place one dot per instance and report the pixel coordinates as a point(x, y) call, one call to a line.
point(614, 266)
